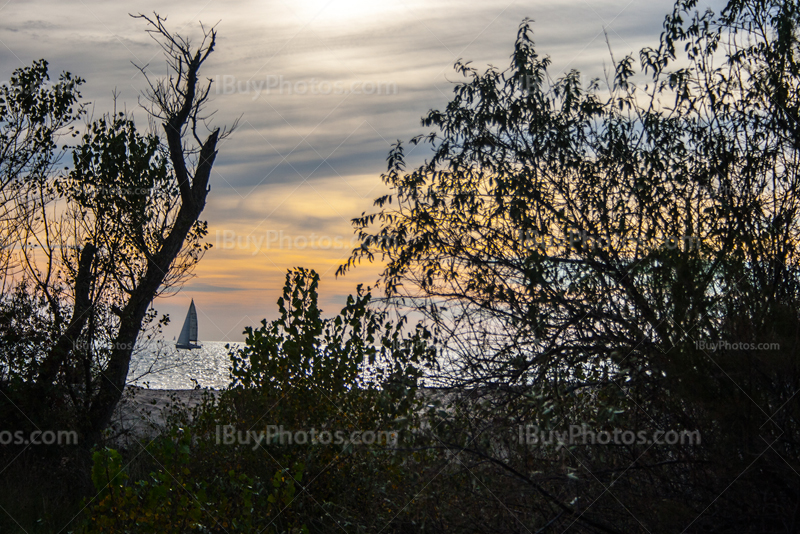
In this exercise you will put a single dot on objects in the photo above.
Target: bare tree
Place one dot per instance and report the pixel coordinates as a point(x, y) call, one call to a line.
point(178, 102)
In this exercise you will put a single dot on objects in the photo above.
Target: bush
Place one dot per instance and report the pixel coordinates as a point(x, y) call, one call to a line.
point(355, 371)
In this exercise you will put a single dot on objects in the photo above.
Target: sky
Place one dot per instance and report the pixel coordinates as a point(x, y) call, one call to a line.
point(322, 89)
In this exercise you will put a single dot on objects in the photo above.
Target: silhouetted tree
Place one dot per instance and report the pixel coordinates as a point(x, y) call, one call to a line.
point(580, 252)
point(128, 229)
point(33, 118)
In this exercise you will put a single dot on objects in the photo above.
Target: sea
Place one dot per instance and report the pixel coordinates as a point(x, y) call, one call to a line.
point(160, 365)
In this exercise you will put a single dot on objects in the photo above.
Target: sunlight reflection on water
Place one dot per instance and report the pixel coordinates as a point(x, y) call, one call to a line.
point(162, 366)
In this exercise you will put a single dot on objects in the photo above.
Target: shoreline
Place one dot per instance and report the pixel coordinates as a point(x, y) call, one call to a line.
point(143, 413)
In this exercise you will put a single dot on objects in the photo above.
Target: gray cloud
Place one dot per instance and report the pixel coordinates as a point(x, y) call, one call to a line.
point(327, 140)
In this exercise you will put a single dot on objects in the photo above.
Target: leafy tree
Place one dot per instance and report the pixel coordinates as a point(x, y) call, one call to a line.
point(356, 371)
point(33, 117)
point(301, 372)
point(127, 230)
point(351, 350)
point(579, 251)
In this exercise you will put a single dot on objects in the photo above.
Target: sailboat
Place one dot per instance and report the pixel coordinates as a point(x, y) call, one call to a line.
point(188, 337)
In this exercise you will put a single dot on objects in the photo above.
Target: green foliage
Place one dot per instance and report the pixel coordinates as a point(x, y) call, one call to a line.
point(355, 371)
point(177, 497)
point(301, 371)
point(357, 348)
point(107, 473)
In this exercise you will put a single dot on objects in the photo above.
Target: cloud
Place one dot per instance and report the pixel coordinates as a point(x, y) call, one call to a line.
point(305, 163)
point(199, 287)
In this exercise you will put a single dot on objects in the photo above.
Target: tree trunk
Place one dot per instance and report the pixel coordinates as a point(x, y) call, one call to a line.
point(112, 380)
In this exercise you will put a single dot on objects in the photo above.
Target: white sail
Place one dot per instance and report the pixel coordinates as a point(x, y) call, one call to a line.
point(188, 337)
